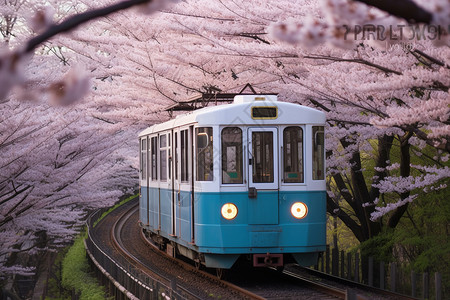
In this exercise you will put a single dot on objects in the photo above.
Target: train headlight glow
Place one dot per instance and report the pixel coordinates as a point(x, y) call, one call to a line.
point(229, 211)
point(299, 210)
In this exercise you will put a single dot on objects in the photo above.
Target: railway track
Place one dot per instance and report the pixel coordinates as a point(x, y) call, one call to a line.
point(179, 277)
point(360, 291)
point(183, 280)
point(120, 245)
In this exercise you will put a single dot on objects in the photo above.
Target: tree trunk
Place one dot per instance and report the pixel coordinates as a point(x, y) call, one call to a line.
point(405, 171)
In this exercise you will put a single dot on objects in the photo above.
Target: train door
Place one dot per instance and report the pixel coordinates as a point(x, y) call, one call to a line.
point(263, 175)
point(178, 178)
point(173, 175)
point(144, 182)
point(191, 165)
point(148, 154)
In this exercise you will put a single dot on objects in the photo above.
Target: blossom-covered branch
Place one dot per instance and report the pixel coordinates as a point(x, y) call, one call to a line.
point(344, 23)
point(12, 64)
point(76, 20)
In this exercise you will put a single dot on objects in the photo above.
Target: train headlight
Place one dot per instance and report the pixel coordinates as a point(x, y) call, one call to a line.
point(229, 211)
point(299, 210)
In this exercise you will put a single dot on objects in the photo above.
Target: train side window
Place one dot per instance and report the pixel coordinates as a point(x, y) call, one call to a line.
point(204, 151)
point(232, 155)
point(169, 156)
point(184, 156)
point(176, 155)
point(144, 158)
point(318, 144)
point(293, 154)
point(163, 157)
point(154, 147)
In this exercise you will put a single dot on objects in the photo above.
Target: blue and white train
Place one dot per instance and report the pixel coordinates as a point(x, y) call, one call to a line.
point(242, 179)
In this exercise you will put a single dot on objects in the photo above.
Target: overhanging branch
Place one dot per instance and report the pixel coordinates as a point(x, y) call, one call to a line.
point(359, 61)
point(405, 9)
point(79, 19)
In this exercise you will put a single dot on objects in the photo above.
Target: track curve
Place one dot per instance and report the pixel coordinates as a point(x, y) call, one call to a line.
point(120, 236)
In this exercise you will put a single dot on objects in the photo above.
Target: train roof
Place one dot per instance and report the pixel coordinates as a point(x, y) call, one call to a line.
point(240, 113)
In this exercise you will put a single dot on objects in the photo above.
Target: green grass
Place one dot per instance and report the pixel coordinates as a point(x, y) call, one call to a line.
point(114, 207)
point(76, 274)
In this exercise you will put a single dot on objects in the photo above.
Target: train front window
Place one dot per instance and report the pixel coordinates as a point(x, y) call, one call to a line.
point(232, 155)
point(318, 144)
point(204, 147)
point(262, 150)
point(293, 154)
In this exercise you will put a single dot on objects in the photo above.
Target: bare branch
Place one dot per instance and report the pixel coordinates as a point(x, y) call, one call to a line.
point(255, 36)
point(432, 59)
point(359, 61)
point(405, 9)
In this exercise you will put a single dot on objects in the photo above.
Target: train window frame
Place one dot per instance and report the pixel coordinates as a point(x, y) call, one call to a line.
point(239, 164)
point(175, 154)
point(204, 155)
point(144, 159)
point(162, 157)
point(301, 169)
point(260, 162)
point(184, 152)
point(154, 158)
point(318, 152)
point(169, 156)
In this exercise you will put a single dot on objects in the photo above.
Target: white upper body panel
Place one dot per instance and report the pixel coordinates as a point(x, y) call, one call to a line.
point(240, 113)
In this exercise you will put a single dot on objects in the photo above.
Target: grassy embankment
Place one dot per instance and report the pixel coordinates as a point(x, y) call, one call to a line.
point(75, 275)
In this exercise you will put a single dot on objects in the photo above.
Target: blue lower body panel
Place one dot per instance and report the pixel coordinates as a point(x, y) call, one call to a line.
point(260, 227)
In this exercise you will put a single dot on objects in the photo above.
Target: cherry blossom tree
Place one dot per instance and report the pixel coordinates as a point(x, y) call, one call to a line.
point(58, 160)
point(382, 81)
point(401, 101)
point(386, 97)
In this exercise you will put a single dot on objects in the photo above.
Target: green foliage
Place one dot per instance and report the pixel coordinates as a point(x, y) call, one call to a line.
point(71, 270)
point(379, 247)
point(54, 287)
point(76, 275)
point(427, 235)
point(345, 238)
point(421, 241)
point(114, 207)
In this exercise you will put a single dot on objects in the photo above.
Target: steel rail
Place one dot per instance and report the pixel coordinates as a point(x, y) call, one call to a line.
point(93, 241)
point(195, 270)
point(319, 286)
point(354, 284)
point(120, 246)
